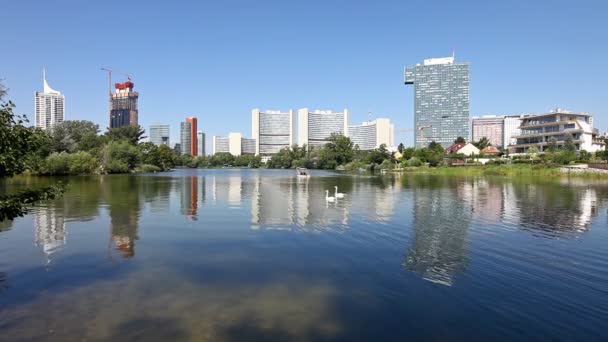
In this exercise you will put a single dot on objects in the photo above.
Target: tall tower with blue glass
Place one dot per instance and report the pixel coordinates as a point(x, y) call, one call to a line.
point(441, 100)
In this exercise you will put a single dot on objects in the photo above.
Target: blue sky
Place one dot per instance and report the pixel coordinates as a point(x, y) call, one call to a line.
point(219, 59)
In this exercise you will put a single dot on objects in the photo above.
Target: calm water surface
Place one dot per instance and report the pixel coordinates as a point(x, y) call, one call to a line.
point(243, 255)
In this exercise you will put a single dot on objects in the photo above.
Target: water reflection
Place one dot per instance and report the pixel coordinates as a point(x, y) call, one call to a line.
point(442, 216)
point(442, 208)
point(49, 231)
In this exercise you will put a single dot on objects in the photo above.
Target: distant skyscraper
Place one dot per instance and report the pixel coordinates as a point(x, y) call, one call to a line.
point(185, 134)
point(159, 134)
point(201, 143)
point(490, 127)
point(315, 127)
point(370, 135)
point(50, 106)
point(188, 137)
point(272, 130)
point(123, 105)
point(441, 100)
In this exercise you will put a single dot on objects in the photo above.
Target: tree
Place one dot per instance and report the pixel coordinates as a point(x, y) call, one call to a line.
point(339, 150)
point(482, 143)
point(552, 144)
point(400, 148)
point(132, 134)
point(68, 134)
point(460, 140)
point(166, 157)
point(569, 143)
point(16, 141)
point(532, 150)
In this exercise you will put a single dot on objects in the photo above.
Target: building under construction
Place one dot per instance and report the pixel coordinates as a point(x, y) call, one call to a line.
point(123, 105)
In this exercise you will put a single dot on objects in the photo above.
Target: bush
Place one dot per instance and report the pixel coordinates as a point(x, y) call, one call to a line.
point(56, 164)
point(116, 166)
point(413, 161)
point(148, 168)
point(81, 163)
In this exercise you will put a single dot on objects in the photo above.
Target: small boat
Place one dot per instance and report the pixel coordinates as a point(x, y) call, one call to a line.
point(302, 172)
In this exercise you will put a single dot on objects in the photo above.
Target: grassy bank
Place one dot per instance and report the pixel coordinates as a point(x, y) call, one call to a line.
point(509, 170)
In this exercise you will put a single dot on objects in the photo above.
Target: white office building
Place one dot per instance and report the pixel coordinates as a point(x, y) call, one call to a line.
point(511, 129)
point(315, 127)
point(159, 134)
point(234, 144)
point(49, 106)
point(272, 130)
point(371, 134)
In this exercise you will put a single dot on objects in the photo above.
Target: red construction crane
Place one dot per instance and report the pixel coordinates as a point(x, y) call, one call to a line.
point(110, 71)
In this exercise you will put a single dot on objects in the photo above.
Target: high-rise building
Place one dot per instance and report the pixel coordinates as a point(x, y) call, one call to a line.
point(50, 106)
point(490, 127)
point(371, 134)
point(188, 137)
point(159, 134)
point(234, 144)
point(200, 136)
point(185, 137)
point(123, 105)
point(441, 100)
point(272, 130)
point(315, 127)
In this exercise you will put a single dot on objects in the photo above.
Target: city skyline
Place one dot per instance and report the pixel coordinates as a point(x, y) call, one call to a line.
point(219, 84)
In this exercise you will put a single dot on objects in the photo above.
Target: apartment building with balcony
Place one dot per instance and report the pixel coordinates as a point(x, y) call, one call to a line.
point(541, 131)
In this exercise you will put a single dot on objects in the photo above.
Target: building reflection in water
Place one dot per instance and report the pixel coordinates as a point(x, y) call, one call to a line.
point(189, 197)
point(122, 195)
point(49, 231)
point(441, 222)
point(285, 202)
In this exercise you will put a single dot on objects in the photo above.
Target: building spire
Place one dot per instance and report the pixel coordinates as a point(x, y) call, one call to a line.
point(46, 88)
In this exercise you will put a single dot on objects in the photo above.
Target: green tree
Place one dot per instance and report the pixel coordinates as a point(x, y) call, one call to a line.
point(166, 157)
point(339, 150)
point(460, 140)
point(482, 143)
point(569, 145)
point(17, 141)
point(552, 144)
point(119, 157)
point(132, 134)
point(67, 135)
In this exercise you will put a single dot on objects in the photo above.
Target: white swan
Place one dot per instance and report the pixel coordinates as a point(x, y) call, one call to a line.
point(329, 198)
point(338, 194)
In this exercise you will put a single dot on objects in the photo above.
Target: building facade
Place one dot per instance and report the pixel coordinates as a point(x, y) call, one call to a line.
point(188, 137)
point(200, 136)
point(315, 127)
point(552, 129)
point(49, 106)
point(511, 129)
point(441, 100)
point(370, 135)
point(123, 105)
point(234, 144)
point(272, 130)
point(185, 137)
point(490, 127)
point(159, 134)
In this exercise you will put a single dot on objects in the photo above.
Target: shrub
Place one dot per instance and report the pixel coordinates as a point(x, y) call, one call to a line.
point(149, 168)
point(413, 161)
point(116, 166)
point(56, 164)
point(81, 163)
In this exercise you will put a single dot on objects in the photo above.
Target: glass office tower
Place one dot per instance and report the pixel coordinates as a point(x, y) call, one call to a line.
point(441, 100)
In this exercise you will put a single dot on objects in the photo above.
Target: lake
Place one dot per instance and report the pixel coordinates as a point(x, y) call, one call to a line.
point(244, 255)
